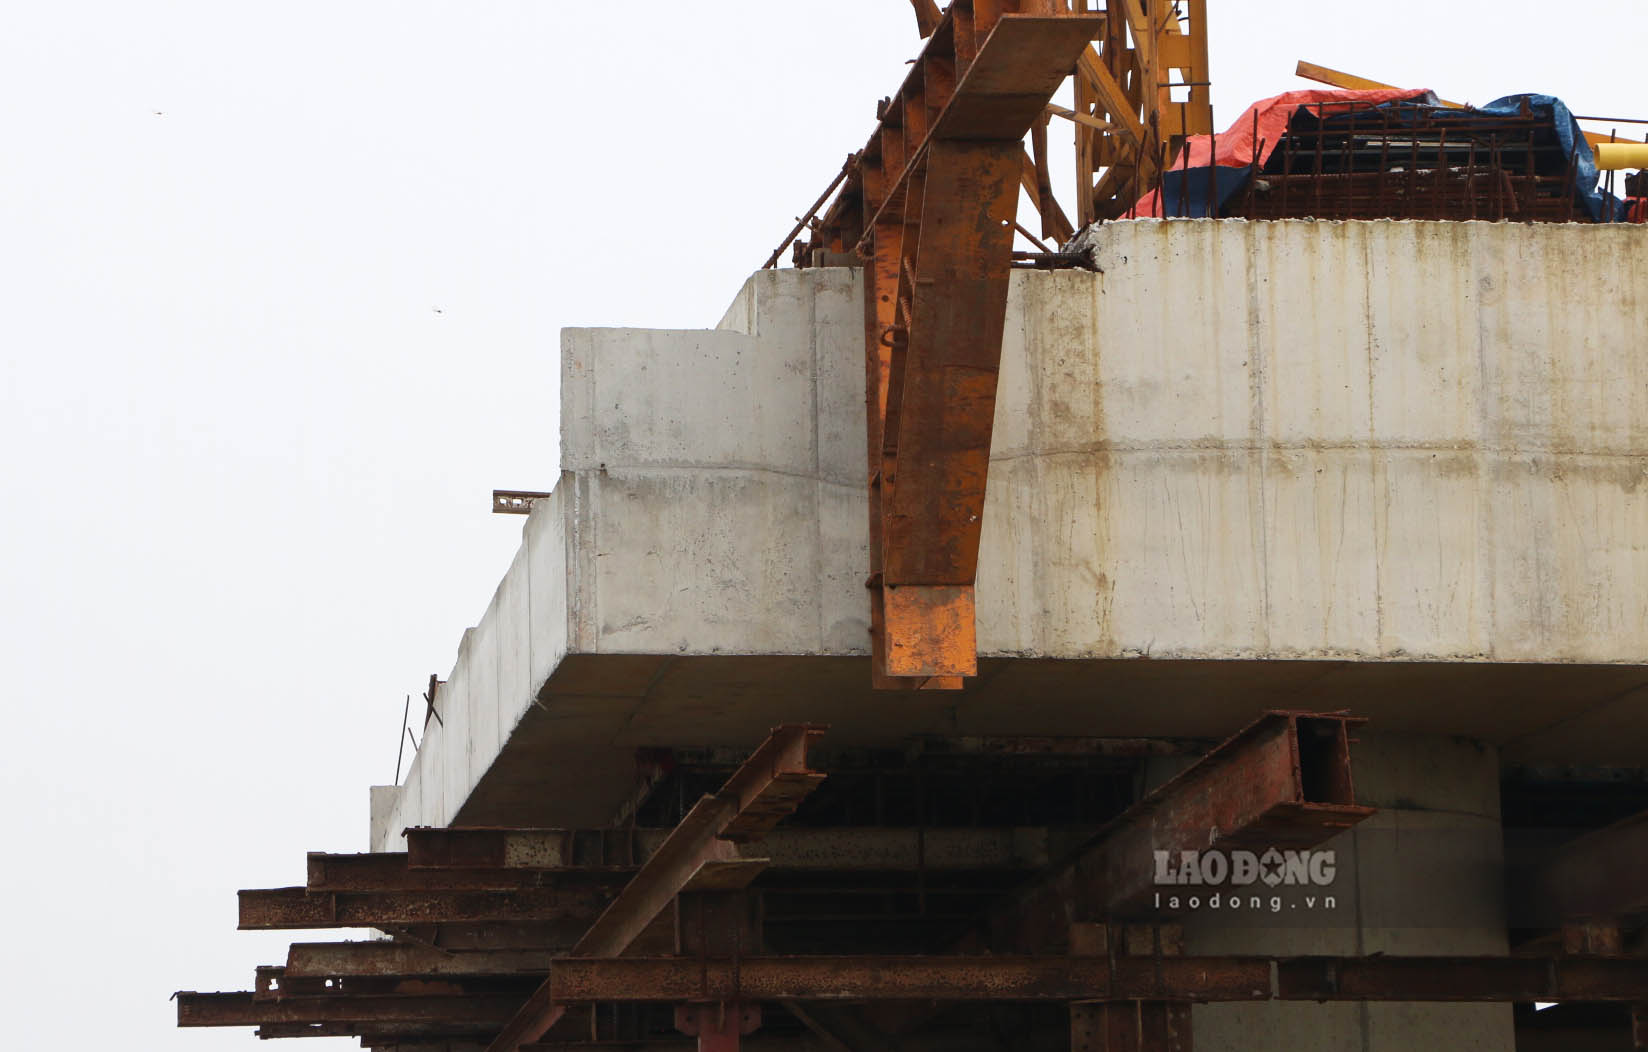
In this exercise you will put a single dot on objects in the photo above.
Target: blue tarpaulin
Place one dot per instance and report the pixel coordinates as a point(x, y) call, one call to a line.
point(1203, 183)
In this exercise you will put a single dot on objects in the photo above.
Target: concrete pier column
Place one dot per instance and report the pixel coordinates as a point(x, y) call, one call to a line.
point(1423, 876)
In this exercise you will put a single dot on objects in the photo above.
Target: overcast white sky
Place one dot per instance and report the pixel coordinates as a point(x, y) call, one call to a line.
point(280, 289)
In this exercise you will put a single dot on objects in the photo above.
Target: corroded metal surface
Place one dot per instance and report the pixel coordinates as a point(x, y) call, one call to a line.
point(287, 908)
point(1067, 978)
point(931, 207)
point(767, 787)
point(1283, 781)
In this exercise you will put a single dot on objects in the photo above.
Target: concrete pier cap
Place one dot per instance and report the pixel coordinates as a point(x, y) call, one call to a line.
point(1392, 467)
point(1395, 468)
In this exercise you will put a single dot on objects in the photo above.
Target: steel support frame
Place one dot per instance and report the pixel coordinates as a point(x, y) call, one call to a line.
point(1086, 979)
point(794, 848)
point(276, 909)
point(930, 207)
point(386, 959)
point(764, 790)
point(391, 872)
point(244, 1009)
point(1283, 781)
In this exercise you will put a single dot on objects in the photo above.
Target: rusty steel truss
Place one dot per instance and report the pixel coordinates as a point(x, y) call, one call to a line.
point(507, 939)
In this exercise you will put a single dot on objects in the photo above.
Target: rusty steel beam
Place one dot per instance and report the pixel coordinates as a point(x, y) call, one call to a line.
point(1283, 781)
point(930, 206)
point(381, 958)
point(761, 793)
point(406, 1037)
point(275, 909)
point(753, 1043)
point(269, 1031)
point(1069, 978)
point(939, 297)
point(770, 785)
point(558, 934)
point(275, 983)
point(390, 872)
point(242, 1009)
point(794, 849)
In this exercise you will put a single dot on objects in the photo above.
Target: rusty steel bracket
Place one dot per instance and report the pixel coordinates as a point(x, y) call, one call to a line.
point(1283, 781)
point(931, 206)
point(718, 1027)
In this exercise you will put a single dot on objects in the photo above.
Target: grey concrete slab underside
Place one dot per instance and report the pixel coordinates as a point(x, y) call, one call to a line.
point(1391, 467)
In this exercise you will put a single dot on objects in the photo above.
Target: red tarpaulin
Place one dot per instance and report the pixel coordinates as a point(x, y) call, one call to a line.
point(1267, 120)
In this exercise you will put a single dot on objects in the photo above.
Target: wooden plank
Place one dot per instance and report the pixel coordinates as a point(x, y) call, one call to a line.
point(1351, 82)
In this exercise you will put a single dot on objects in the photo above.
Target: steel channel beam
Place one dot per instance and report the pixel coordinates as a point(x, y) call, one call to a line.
point(391, 872)
point(764, 790)
point(823, 849)
point(242, 1009)
point(379, 958)
point(750, 1043)
point(1073, 979)
point(557, 935)
point(1283, 781)
point(406, 1037)
point(274, 909)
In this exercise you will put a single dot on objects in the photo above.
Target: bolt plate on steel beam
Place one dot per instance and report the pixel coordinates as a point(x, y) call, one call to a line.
point(515, 501)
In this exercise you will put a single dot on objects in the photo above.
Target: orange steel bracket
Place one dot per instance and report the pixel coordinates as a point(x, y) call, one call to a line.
point(931, 208)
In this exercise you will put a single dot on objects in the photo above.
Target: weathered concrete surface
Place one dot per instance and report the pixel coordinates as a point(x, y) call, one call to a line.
point(1394, 467)
point(1363, 440)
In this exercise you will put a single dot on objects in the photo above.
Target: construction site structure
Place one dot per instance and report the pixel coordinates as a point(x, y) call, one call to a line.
point(1224, 629)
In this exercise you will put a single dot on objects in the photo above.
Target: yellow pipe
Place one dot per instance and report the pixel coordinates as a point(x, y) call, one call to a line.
point(1613, 156)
